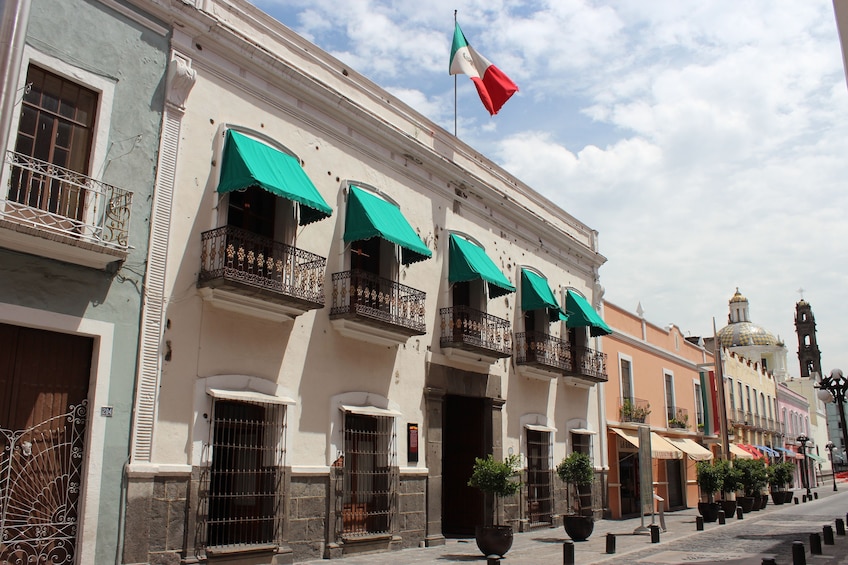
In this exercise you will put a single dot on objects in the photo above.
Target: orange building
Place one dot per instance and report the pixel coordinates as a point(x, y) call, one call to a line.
point(654, 381)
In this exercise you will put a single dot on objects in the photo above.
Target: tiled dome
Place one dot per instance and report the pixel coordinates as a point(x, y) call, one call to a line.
point(745, 333)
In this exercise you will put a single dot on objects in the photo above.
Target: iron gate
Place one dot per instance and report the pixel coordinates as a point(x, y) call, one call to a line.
point(40, 484)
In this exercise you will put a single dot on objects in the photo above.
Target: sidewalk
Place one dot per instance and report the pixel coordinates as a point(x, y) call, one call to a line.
point(545, 545)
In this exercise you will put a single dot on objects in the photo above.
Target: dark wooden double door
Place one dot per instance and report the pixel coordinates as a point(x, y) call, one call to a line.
point(44, 380)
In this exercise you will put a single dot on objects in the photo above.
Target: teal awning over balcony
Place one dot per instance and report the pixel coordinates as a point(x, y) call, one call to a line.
point(469, 262)
point(369, 216)
point(536, 294)
point(248, 163)
point(581, 314)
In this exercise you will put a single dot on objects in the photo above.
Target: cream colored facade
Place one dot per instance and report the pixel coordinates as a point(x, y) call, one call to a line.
point(654, 380)
point(322, 364)
point(751, 393)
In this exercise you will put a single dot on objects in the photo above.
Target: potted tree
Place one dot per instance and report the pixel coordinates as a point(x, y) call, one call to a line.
point(500, 479)
point(709, 478)
point(577, 473)
point(753, 478)
point(780, 475)
point(729, 485)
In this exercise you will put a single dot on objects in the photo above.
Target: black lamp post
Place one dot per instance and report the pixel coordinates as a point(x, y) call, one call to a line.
point(830, 447)
point(837, 385)
point(803, 439)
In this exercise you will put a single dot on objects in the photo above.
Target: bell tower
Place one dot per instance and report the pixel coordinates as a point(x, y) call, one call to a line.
point(808, 350)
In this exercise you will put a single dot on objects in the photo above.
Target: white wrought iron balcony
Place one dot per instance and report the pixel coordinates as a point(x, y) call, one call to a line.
point(58, 213)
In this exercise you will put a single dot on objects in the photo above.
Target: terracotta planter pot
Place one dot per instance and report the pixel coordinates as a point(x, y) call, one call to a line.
point(578, 528)
point(709, 510)
point(493, 540)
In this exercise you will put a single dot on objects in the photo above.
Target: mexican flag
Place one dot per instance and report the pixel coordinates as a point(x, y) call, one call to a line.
point(493, 86)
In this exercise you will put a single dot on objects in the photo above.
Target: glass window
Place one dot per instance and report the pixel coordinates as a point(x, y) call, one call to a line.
point(626, 380)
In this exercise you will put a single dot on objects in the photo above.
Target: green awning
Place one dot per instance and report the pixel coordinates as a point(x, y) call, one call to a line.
point(817, 458)
point(581, 314)
point(536, 294)
point(370, 216)
point(469, 262)
point(248, 163)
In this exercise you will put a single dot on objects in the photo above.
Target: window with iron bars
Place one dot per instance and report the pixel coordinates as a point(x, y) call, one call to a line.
point(243, 504)
point(369, 485)
point(539, 477)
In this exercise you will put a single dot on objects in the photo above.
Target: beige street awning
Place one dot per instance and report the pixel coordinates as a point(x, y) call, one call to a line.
point(660, 448)
point(739, 452)
point(694, 450)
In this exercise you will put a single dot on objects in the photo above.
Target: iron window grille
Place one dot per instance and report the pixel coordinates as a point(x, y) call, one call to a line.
point(370, 476)
point(241, 488)
point(540, 500)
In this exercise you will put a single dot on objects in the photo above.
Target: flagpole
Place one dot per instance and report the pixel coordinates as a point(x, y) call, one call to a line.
point(454, 86)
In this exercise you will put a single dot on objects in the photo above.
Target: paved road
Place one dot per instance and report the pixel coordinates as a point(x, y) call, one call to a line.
point(768, 533)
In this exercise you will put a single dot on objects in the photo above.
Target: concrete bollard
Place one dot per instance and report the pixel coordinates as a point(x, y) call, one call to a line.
point(493, 559)
point(799, 555)
point(721, 517)
point(739, 513)
point(699, 523)
point(610, 542)
point(568, 552)
point(827, 534)
point(816, 495)
point(815, 544)
point(655, 533)
point(796, 500)
point(840, 527)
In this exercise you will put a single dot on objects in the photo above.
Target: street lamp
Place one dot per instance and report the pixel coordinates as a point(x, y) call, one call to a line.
point(837, 385)
point(829, 445)
point(803, 439)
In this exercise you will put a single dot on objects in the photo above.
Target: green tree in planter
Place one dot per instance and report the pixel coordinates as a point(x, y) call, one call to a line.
point(709, 478)
point(731, 477)
point(499, 478)
point(576, 471)
point(753, 475)
point(780, 475)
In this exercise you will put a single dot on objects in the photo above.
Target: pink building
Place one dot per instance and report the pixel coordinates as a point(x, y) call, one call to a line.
point(794, 417)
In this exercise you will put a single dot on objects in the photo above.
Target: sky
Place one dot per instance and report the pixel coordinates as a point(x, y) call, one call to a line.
point(706, 141)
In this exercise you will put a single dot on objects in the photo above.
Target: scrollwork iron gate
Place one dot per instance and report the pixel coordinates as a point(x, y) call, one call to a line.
point(40, 485)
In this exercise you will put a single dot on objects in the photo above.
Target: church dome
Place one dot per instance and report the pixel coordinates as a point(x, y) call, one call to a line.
point(741, 334)
point(737, 297)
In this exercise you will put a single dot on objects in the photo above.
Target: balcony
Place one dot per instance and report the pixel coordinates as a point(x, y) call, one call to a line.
point(243, 272)
point(541, 356)
point(474, 335)
point(374, 309)
point(588, 365)
point(57, 213)
point(678, 418)
point(633, 410)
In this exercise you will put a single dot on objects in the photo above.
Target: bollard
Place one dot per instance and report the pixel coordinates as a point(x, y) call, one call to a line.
point(796, 500)
point(655, 533)
point(815, 544)
point(493, 559)
point(816, 495)
point(721, 517)
point(610, 542)
point(739, 513)
point(799, 555)
point(840, 527)
point(827, 534)
point(568, 552)
point(768, 561)
point(699, 523)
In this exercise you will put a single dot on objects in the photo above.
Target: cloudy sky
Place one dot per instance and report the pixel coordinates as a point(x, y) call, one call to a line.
point(706, 141)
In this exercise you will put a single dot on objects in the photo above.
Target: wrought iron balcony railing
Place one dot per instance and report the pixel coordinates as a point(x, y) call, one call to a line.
point(243, 262)
point(678, 418)
point(473, 330)
point(58, 200)
point(543, 351)
point(586, 363)
point(377, 301)
point(633, 410)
